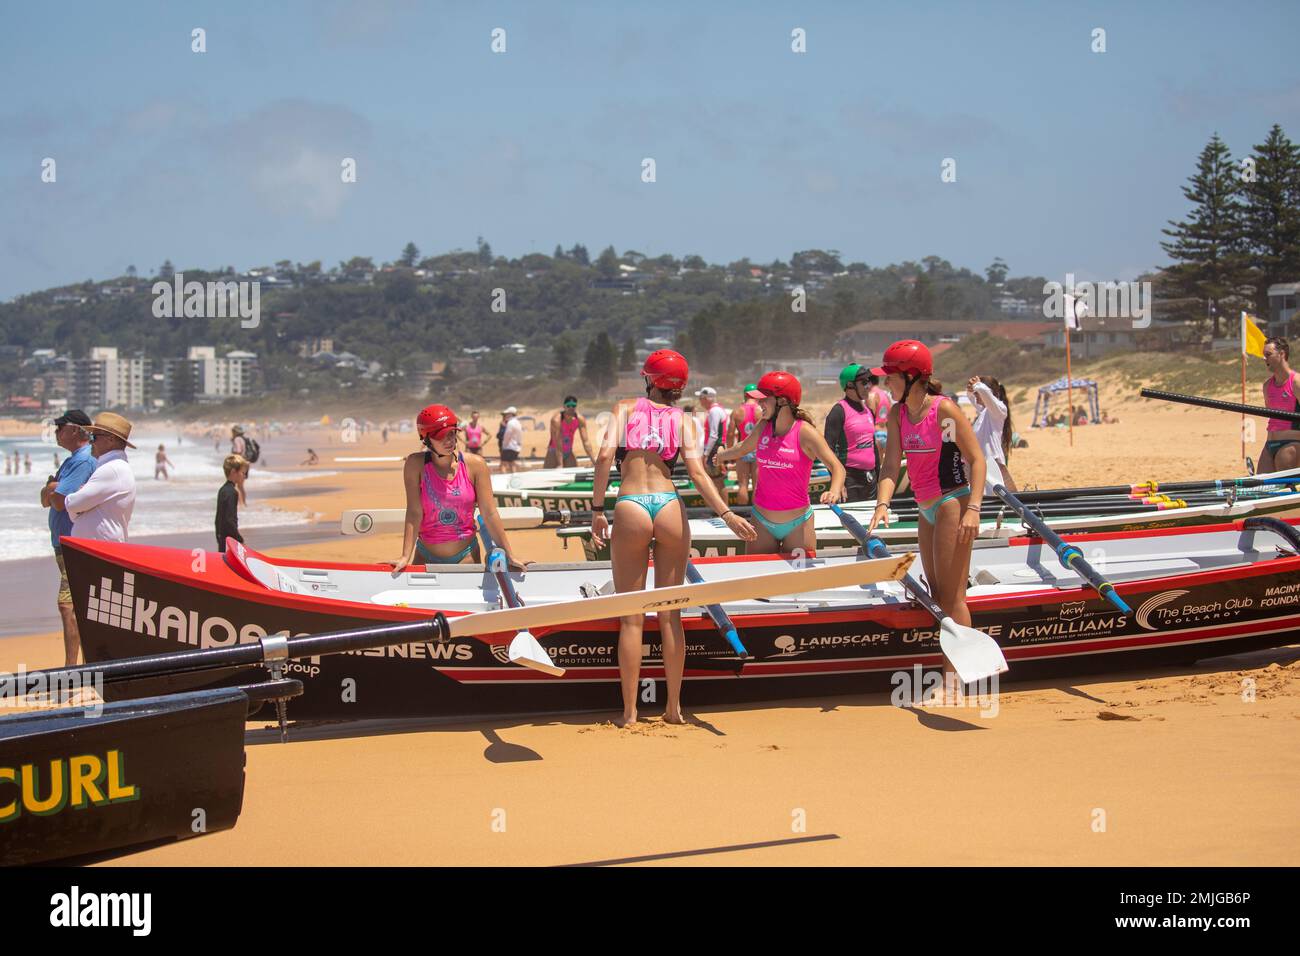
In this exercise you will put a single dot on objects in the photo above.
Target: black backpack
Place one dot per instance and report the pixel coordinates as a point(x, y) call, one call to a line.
point(252, 451)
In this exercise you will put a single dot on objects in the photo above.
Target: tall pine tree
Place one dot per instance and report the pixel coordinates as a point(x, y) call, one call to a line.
point(600, 367)
point(1271, 215)
point(1207, 247)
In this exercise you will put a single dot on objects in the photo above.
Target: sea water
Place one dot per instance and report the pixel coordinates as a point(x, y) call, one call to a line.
point(186, 502)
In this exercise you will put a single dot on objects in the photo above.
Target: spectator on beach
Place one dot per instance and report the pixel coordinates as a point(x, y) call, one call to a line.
point(311, 459)
point(237, 442)
point(101, 508)
point(714, 435)
point(27, 463)
point(229, 498)
point(993, 429)
point(70, 433)
point(512, 439)
point(160, 463)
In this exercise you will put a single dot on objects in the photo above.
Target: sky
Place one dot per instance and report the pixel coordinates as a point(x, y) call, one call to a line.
point(1067, 160)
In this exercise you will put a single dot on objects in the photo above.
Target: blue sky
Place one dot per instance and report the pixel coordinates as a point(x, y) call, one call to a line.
point(1067, 160)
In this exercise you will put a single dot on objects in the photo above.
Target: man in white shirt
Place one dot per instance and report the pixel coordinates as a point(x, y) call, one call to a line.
point(101, 508)
point(715, 435)
point(512, 440)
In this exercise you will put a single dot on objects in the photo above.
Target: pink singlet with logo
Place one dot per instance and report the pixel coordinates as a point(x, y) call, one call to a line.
point(860, 435)
point(783, 470)
point(933, 465)
point(749, 421)
point(448, 505)
point(1281, 397)
point(474, 437)
point(652, 427)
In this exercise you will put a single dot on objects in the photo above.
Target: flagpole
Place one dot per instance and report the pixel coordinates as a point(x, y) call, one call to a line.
point(1243, 384)
point(1069, 383)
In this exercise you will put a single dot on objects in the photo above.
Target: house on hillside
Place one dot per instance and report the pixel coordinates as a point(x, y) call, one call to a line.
point(1283, 303)
point(1096, 337)
point(868, 340)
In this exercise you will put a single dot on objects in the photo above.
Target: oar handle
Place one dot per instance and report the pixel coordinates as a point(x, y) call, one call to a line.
point(1259, 410)
point(720, 617)
point(498, 565)
point(875, 548)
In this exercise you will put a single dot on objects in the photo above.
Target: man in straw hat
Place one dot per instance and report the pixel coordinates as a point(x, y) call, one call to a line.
point(101, 508)
point(71, 435)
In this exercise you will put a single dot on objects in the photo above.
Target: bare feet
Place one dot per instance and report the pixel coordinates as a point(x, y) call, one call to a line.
point(625, 720)
point(674, 715)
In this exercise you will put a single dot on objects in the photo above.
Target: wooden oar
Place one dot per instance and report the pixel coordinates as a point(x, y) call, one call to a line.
point(440, 628)
point(725, 627)
point(1069, 556)
point(525, 649)
point(973, 654)
point(1260, 410)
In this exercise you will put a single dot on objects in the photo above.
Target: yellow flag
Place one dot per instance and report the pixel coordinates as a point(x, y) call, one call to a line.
point(1252, 339)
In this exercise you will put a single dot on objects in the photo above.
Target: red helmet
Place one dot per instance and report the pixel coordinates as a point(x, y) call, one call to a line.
point(781, 385)
point(435, 421)
point(666, 369)
point(908, 357)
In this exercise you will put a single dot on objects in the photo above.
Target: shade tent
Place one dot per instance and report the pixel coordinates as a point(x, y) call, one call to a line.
point(1086, 385)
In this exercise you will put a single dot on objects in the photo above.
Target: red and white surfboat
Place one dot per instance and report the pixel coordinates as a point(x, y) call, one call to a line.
point(1195, 593)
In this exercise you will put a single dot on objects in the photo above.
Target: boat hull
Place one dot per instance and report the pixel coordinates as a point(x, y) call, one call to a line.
point(800, 652)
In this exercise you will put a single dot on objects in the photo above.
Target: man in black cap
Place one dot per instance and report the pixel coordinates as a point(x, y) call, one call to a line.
point(70, 434)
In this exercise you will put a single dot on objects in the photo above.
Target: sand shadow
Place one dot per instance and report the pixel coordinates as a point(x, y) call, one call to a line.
point(499, 751)
point(587, 718)
point(930, 719)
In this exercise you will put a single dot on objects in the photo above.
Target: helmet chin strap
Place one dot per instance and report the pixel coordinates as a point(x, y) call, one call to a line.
point(429, 444)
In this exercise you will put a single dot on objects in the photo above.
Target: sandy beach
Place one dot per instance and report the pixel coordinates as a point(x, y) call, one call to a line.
point(1156, 768)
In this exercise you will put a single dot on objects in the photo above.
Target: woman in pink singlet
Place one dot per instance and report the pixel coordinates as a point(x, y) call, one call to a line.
point(565, 425)
point(785, 450)
point(442, 491)
point(474, 434)
point(744, 418)
point(648, 436)
point(1282, 449)
point(944, 463)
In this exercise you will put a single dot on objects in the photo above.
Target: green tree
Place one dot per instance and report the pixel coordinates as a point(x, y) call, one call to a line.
point(1207, 246)
point(484, 252)
point(166, 270)
point(410, 255)
point(600, 366)
point(997, 272)
point(579, 254)
point(1271, 215)
point(607, 263)
point(564, 351)
point(627, 358)
point(558, 253)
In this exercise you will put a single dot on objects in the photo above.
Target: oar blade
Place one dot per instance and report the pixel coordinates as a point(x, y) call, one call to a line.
point(973, 654)
point(528, 651)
